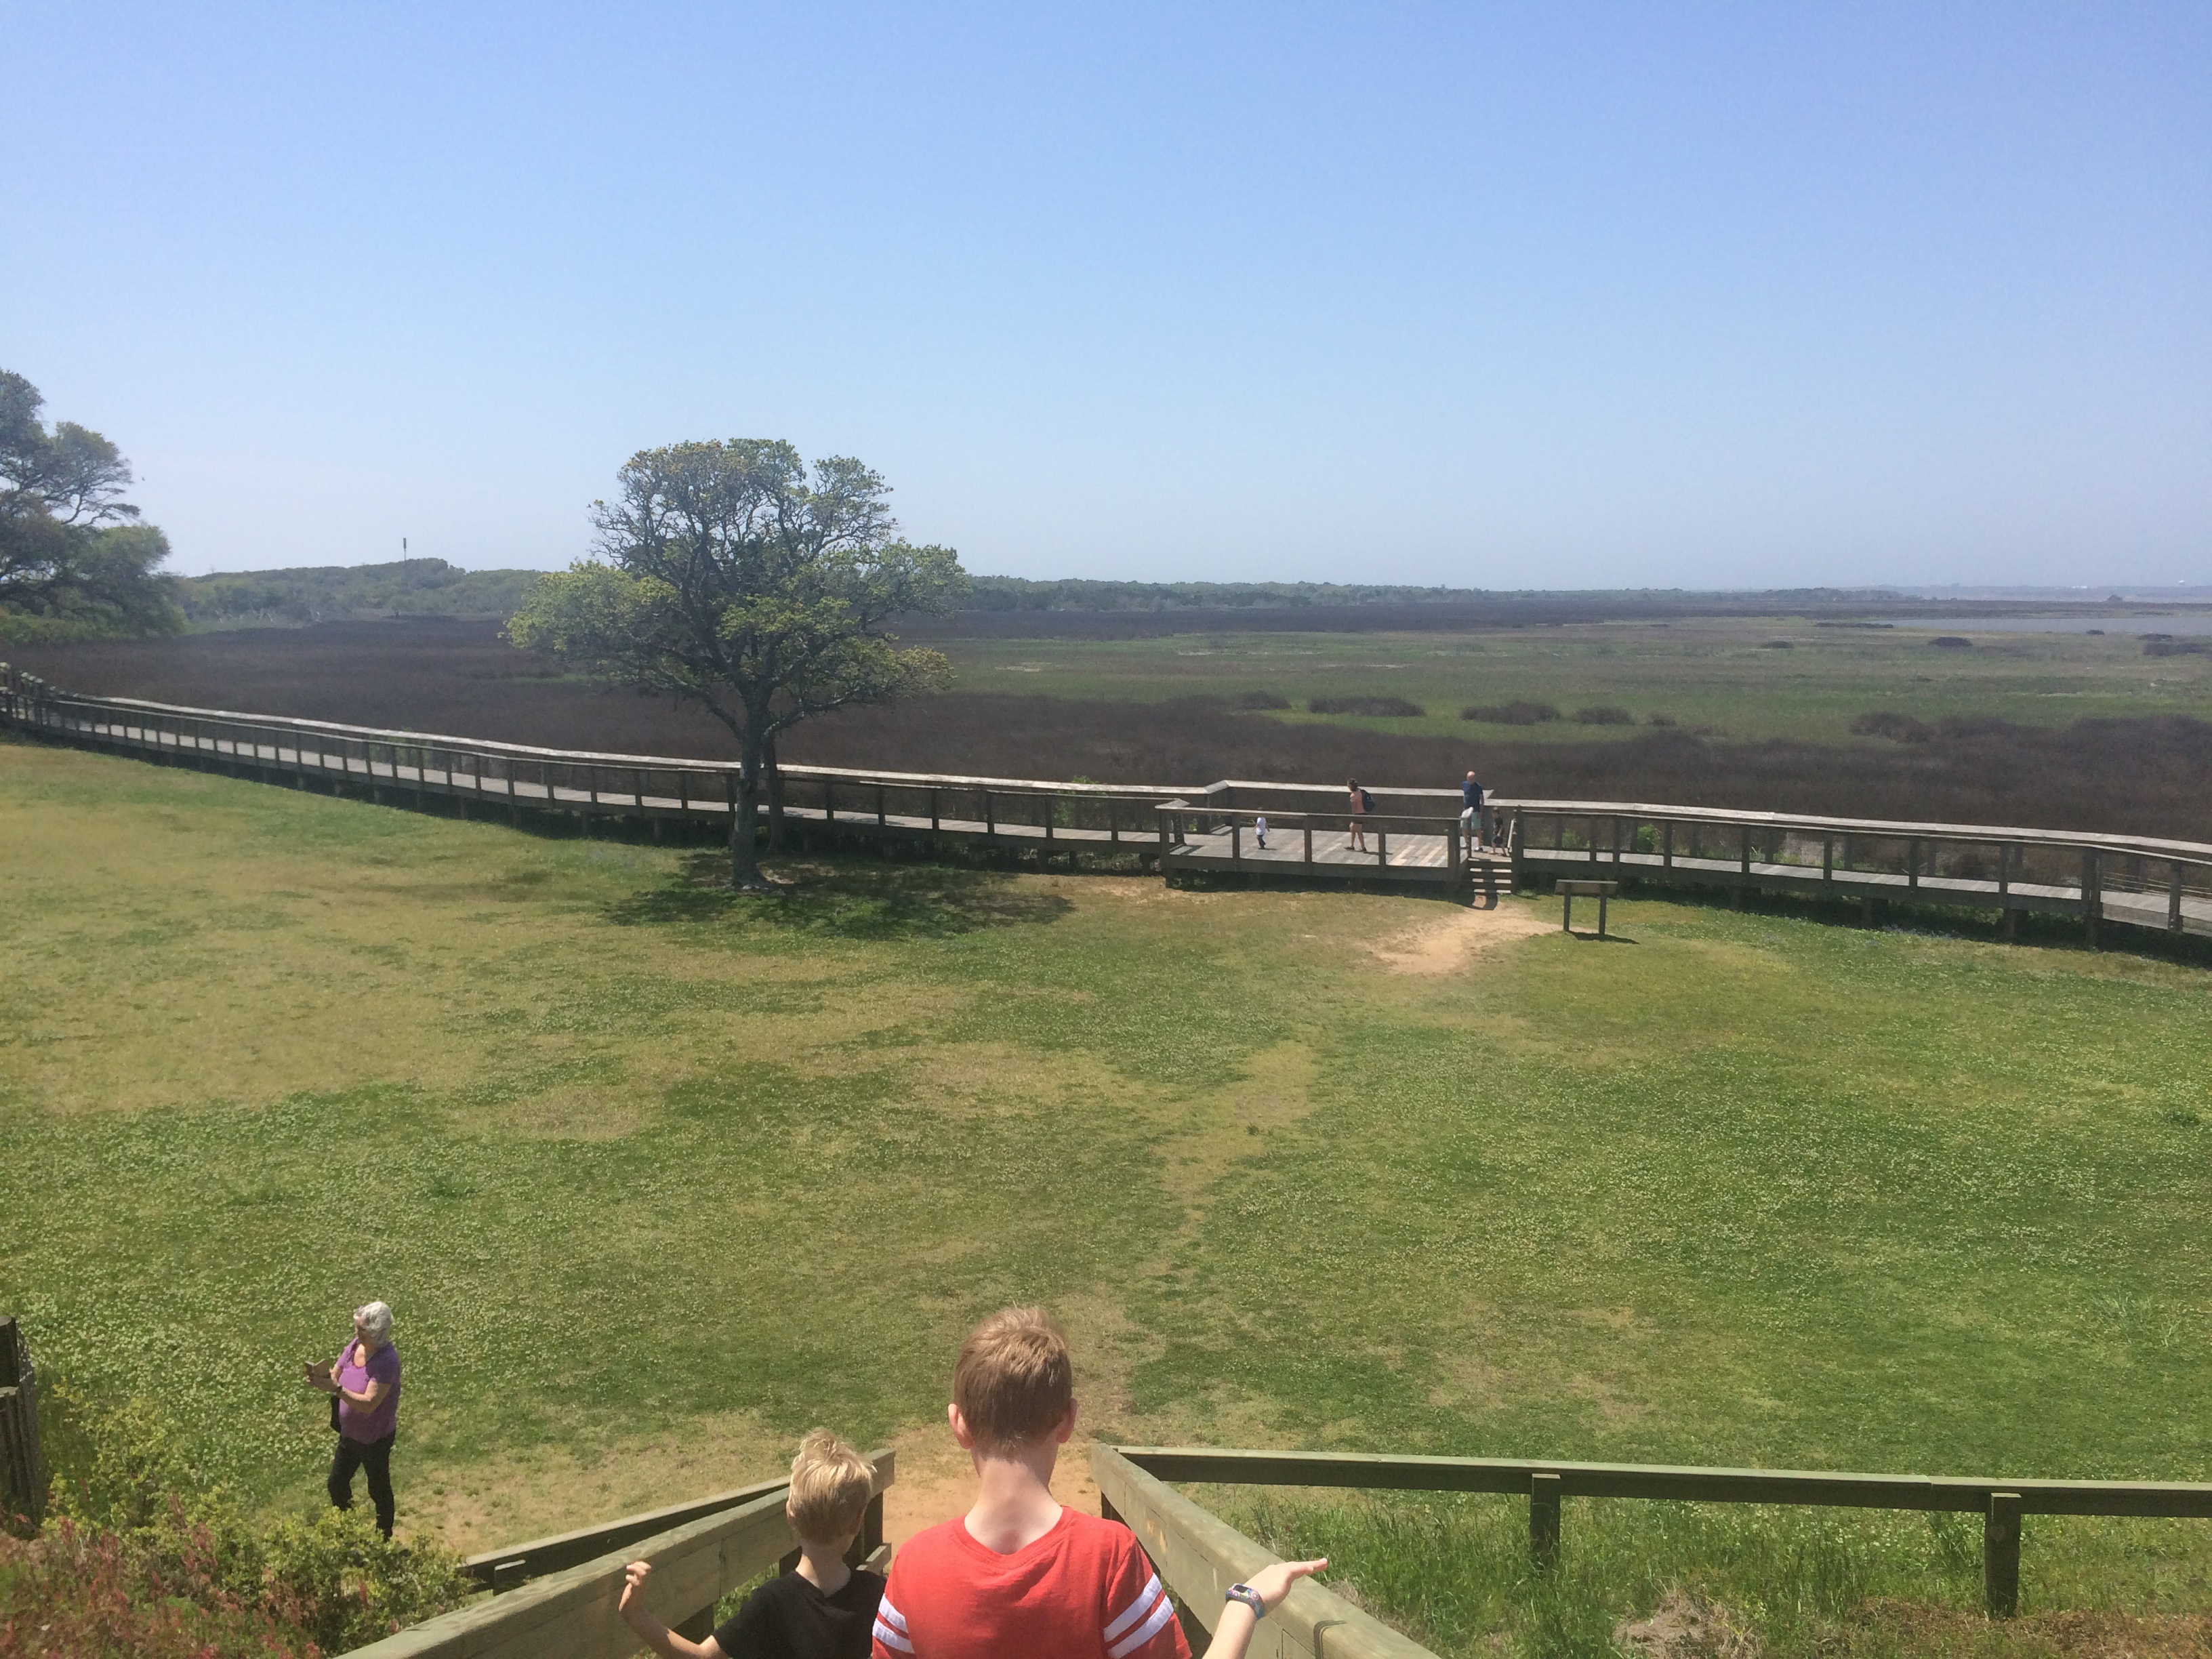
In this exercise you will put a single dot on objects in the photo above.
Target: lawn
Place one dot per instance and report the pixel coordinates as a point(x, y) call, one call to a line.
point(656, 1177)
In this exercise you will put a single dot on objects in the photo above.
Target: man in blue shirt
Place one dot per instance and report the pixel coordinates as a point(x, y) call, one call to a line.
point(1471, 819)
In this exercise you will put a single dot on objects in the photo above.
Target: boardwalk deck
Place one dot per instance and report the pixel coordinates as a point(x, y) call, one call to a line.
point(1388, 855)
point(1412, 835)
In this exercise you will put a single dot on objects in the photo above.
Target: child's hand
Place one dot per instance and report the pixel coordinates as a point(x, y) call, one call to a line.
point(1274, 1583)
point(634, 1577)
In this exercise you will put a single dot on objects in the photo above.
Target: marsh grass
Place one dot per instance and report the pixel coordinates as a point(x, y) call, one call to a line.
point(641, 1164)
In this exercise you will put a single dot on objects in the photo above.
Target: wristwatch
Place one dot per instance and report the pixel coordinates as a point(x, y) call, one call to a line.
point(1250, 1597)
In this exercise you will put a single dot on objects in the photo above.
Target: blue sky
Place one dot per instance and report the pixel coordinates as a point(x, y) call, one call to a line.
point(1549, 296)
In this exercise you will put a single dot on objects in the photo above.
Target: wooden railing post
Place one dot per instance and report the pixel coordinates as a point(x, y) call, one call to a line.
point(1308, 838)
point(2092, 897)
point(1543, 1521)
point(2001, 1555)
point(2173, 900)
point(22, 1462)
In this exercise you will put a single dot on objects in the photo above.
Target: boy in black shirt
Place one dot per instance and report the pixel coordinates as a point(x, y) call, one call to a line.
point(825, 1610)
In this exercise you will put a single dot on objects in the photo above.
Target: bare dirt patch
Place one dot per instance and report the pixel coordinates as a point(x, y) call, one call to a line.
point(1683, 1628)
point(1442, 946)
point(539, 1490)
point(937, 1481)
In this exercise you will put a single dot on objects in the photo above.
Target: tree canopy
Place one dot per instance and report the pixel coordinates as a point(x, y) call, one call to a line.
point(74, 560)
point(736, 576)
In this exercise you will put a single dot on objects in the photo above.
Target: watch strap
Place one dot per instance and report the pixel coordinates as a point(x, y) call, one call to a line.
point(1250, 1597)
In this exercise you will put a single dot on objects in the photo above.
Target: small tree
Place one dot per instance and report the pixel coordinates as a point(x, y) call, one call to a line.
point(72, 555)
point(734, 576)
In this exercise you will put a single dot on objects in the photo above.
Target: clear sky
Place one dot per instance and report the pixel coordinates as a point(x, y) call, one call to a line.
point(1547, 296)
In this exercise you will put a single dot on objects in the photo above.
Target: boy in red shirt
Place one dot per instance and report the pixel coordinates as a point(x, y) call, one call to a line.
point(1018, 1574)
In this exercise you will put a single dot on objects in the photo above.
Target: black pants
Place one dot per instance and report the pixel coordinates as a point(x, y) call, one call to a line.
point(375, 1456)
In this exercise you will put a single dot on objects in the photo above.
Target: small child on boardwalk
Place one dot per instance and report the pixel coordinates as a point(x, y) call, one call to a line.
point(826, 1609)
point(1260, 825)
point(1019, 1575)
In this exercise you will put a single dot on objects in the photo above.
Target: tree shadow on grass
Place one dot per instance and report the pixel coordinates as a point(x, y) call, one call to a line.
point(837, 900)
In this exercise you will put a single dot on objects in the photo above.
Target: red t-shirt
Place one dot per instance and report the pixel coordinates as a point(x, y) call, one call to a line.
point(1084, 1590)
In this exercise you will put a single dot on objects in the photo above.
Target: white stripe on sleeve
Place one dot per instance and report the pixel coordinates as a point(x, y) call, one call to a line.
point(1135, 1610)
point(890, 1639)
point(889, 1614)
point(1144, 1633)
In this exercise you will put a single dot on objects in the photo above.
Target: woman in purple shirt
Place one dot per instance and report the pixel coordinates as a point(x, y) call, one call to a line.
point(365, 1379)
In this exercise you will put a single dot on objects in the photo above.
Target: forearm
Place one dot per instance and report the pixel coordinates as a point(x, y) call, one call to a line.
point(1232, 1634)
point(658, 1636)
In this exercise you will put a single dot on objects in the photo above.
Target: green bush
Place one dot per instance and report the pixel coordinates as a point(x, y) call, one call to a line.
point(134, 1532)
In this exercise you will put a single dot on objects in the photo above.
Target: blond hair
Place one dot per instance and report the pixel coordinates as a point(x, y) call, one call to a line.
point(830, 1486)
point(1013, 1381)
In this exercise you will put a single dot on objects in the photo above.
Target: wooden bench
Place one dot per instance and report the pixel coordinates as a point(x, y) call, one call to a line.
point(1600, 891)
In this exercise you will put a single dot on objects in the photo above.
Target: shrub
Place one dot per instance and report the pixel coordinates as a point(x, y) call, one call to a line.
point(136, 1533)
point(1394, 707)
point(2164, 648)
point(1659, 719)
point(1887, 723)
point(1604, 715)
point(86, 1591)
point(1263, 700)
point(1951, 642)
point(1510, 713)
point(1779, 645)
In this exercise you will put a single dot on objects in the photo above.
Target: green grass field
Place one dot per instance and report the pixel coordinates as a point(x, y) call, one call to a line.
point(1719, 675)
point(657, 1177)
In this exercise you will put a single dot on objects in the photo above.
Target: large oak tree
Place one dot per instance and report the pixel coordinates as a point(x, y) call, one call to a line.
point(734, 575)
point(73, 558)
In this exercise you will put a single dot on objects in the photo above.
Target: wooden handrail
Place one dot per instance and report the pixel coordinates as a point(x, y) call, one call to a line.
point(572, 1614)
point(2000, 1503)
point(1683, 1482)
point(1647, 812)
point(1198, 1556)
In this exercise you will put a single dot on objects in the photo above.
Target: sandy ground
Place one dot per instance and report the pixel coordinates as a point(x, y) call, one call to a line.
point(936, 1481)
point(1444, 946)
point(548, 1491)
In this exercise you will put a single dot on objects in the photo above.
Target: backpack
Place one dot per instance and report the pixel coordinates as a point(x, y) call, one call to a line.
point(1366, 801)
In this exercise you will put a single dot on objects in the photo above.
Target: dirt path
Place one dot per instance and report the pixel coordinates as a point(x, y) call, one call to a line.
point(1441, 947)
point(936, 1482)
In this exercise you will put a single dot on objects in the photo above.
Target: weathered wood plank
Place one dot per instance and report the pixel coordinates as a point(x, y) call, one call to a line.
point(1839, 1489)
point(1198, 1556)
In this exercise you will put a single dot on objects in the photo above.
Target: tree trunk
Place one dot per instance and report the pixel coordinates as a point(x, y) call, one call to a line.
point(774, 800)
point(745, 828)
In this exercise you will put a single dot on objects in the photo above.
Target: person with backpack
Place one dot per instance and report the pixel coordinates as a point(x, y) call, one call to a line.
point(1361, 805)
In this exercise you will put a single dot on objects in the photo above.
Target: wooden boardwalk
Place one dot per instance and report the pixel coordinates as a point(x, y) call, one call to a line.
point(1414, 836)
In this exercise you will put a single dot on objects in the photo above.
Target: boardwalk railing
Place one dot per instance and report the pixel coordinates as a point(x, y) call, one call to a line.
point(1413, 835)
point(1999, 1503)
point(559, 1596)
point(2140, 881)
point(1198, 1556)
point(1399, 846)
point(486, 776)
point(22, 1462)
